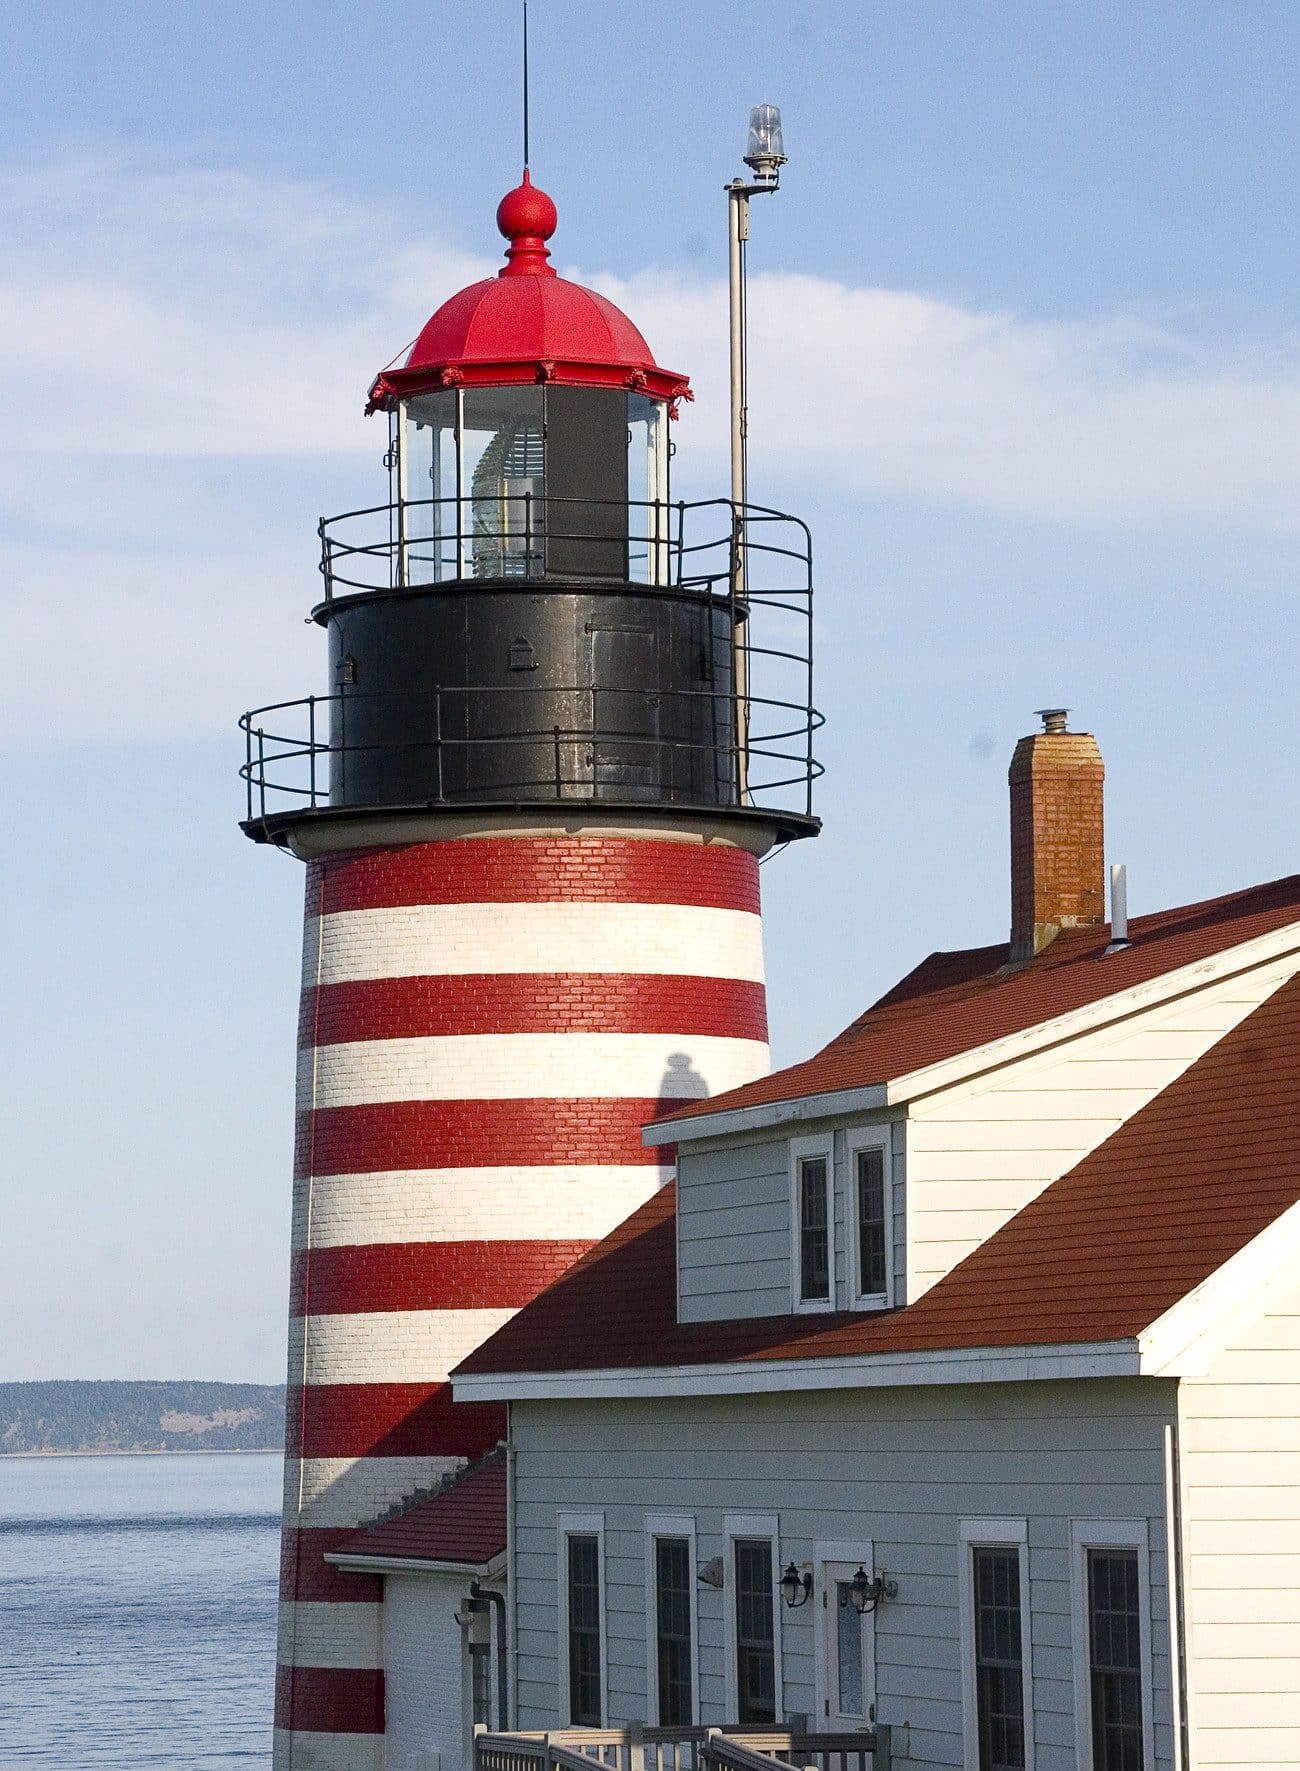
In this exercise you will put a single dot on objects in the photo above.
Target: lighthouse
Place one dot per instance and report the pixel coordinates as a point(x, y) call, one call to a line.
point(567, 716)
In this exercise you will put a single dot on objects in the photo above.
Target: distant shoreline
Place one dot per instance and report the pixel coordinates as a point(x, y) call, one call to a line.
point(145, 1451)
point(138, 1417)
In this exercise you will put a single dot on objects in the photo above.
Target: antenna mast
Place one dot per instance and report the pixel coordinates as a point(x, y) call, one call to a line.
point(526, 85)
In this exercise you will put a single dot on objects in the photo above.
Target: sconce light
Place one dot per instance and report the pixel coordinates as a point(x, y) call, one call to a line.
point(865, 1591)
point(796, 1588)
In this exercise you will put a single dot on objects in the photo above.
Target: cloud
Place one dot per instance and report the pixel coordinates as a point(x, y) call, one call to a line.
point(159, 325)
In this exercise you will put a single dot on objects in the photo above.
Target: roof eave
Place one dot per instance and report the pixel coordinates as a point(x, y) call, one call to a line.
point(975, 1060)
point(1189, 1336)
point(770, 1113)
point(371, 1564)
point(400, 384)
point(871, 1371)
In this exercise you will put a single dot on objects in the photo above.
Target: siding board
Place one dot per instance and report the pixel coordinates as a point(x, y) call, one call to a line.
point(1240, 1468)
point(898, 1468)
point(979, 1152)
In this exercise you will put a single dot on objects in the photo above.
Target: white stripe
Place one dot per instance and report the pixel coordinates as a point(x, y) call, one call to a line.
point(527, 1066)
point(389, 1346)
point(424, 940)
point(315, 1632)
point(580, 1203)
point(306, 1751)
point(355, 1490)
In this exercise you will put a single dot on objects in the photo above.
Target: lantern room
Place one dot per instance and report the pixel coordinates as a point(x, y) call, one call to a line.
point(531, 616)
point(530, 427)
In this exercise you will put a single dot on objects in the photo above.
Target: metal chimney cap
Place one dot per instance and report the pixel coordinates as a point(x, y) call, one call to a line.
point(1053, 718)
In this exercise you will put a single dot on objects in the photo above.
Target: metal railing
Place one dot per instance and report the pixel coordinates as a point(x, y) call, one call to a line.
point(412, 544)
point(298, 753)
point(683, 1749)
point(749, 739)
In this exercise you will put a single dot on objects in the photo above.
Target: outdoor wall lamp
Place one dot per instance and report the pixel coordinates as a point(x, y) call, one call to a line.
point(865, 1591)
point(796, 1588)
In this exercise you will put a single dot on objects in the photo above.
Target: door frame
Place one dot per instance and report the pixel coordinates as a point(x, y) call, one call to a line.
point(833, 1562)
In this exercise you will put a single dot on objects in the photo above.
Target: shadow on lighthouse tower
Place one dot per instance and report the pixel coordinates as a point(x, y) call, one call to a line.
point(567, 716)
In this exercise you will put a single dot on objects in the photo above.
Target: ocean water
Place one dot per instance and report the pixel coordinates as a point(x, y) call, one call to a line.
point(137, 1611)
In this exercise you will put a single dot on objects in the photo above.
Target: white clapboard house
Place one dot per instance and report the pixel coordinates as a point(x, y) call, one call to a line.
point(954, 1386)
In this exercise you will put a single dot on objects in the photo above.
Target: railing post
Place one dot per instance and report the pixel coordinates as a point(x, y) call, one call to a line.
point(311, 744)
point(437, 739)
point(248, 769)
point(261, 772)
point(882, 1757)
point(595, 747)
point(528, 534)
point(636, 1746)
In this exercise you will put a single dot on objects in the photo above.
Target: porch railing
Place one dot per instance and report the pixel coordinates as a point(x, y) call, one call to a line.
point(683, 1749)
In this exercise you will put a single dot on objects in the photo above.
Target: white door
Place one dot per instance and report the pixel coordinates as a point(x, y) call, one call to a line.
point(846, 1641)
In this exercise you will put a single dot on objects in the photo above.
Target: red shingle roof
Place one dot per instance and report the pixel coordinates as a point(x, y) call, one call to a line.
point(954, 1002)
point(465, 1523)
point(1098, 1256)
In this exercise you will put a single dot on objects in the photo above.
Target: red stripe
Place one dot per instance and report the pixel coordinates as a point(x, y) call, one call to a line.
point(389, 1420)
point(385, 1135)
point(531, 1002)
point(304, 1573)
point(536, 870)
point(330, 1700)
point(427, 1275)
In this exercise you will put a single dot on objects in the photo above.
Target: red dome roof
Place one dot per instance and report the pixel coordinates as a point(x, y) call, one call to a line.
point(526, 324)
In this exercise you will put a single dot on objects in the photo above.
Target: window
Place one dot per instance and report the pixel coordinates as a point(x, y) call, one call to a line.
point(584, 1631)
point(812, 1220)
point(755, 1630)
point(848, 1651)
point(995, 1640)
point(673, 1587)
point(814, 1231)
point(672, 1624)
point(1110, 1577)
point(582, 1661)
point(843, 1637)
point(1115, 1659)
point(871, 1215)
point(999, 1664)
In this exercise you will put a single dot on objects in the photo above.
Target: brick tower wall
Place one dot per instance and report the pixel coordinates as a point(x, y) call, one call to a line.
point(486, 1024)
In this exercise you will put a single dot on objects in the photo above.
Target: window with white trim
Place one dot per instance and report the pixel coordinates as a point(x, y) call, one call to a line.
point(813, 1223)
point(997, 1685)
point(753, 1623)
point(672, 1631)
point(870, 1213)
point(581, 1574)
point(755, 1594)
point(1111, 1586)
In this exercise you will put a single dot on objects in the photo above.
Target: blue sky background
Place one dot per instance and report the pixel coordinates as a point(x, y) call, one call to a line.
point(1026, 354)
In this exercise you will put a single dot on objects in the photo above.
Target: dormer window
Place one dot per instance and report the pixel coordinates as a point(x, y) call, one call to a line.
point(870, 1227)
point(812, 1222)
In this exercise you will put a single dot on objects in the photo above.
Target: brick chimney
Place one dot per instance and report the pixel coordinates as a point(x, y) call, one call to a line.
point(1057, 853)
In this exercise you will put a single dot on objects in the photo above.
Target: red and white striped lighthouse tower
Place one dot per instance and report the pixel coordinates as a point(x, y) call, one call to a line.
point(532, 805)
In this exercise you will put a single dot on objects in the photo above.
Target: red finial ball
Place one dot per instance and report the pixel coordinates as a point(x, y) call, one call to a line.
point(526, 213)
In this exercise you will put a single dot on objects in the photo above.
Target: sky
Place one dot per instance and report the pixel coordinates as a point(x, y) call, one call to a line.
point(1025, 353)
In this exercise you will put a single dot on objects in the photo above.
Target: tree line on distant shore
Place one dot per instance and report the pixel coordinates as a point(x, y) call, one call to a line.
point(83, 1415)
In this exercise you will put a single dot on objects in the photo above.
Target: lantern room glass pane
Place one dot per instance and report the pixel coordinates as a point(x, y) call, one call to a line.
point(503, 486)
point(647, 481)
point(427, 440)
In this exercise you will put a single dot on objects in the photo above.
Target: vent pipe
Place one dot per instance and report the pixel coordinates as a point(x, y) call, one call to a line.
point(1118, 908)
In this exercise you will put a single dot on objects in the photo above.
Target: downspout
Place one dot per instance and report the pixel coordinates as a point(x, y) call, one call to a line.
point(512, 1584)
point(1177, 1610)
point(497, 1600)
